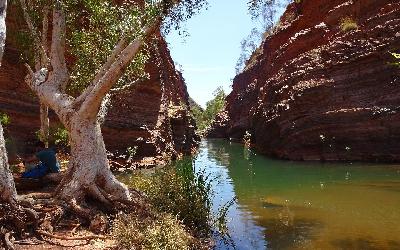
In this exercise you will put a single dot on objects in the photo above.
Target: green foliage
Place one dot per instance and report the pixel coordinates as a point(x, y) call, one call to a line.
point(57, 136)
point(131, 152)
point(204, 118)
point(60, 136)
point(177, 12)
point(94, 27)
point(162, 232)
point(348, 24)
point(4, 119)
point(264, 12)
point(184, 193)
point(181, 192)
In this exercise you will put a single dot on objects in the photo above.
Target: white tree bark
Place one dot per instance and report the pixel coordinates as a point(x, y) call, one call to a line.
point(41, 60)
point(89, 172)
point(3, 10)
point(8, 192)
point(44, 124)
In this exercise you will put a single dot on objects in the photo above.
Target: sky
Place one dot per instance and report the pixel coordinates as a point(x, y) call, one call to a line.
point(209, 54)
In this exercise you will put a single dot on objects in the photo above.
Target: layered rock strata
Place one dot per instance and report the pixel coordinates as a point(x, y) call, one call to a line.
point(321, 86)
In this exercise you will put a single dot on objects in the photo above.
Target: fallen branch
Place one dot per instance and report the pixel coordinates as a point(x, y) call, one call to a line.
point(60, 237)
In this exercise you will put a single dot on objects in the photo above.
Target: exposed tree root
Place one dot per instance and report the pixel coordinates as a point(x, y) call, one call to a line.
point(61, 237)
point(9, 244)
point(45, 215)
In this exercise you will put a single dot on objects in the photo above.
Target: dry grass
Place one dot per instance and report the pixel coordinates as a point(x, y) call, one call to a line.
point(161, 232)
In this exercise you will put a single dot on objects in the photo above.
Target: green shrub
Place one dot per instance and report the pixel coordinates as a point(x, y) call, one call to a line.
point(184, 194)
point(181, 192)
point(57, 136)
point(348, 24)
point(161, 232)
point(4, 119)
point(60, 136)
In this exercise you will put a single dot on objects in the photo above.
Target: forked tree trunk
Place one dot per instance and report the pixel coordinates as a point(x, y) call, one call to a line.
point(8, 192)
point(89, 172)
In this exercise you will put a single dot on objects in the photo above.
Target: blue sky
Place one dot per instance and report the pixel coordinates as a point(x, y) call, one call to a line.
point(209, 55)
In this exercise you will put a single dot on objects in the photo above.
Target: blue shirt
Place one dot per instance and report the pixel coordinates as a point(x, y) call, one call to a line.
point(48, 157)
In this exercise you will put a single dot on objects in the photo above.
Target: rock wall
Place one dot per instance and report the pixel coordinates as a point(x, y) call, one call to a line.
point(151, 116)
point(316, 92)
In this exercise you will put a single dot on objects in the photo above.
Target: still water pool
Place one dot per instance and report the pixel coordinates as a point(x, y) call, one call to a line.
point(300, 205)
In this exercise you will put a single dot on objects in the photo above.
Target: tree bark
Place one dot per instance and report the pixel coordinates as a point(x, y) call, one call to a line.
point(89, 171)
point(8, 192)
point(44, 124)
point(3, 11)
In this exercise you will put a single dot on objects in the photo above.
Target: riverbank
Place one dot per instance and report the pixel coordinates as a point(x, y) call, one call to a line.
point(173, 212)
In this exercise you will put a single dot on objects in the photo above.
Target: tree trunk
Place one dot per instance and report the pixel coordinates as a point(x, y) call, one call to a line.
point(8, 192)
point(44, 124)
point(89, 172)
point(3, 10)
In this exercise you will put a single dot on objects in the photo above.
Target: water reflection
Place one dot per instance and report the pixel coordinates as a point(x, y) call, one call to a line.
point(286, 205)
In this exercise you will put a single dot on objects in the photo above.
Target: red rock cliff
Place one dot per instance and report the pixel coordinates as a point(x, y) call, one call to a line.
point(316, 92)
point(152, 115)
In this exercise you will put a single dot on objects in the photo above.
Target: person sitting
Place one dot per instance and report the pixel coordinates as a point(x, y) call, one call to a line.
point(48, 162)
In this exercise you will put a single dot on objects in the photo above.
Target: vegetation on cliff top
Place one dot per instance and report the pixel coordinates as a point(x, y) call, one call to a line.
point(204, 117)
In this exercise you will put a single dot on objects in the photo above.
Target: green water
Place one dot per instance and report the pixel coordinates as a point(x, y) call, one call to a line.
point(292, 205)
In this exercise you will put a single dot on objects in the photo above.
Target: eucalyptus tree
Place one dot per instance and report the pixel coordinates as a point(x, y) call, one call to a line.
point(264, 14)
point(8, 193)
point(106, 50)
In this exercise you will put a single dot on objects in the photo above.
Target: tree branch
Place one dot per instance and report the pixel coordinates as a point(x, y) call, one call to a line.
point(111, 59)
point(91, 105)
point(57, 57)
point(45, 29)
point(34, 34)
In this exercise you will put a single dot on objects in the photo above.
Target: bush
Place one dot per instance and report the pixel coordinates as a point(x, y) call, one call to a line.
point(348, 24)
point(181, 192)
point(57, 136)
point(162, 232)
point(177, 192)
point(4, 119)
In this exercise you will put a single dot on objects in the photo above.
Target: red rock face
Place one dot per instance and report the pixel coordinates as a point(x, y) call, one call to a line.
point(152, 115)
point(316, 92)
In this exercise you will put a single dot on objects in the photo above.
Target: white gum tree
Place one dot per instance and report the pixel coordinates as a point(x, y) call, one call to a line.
point(8, 194)
point(89, 172)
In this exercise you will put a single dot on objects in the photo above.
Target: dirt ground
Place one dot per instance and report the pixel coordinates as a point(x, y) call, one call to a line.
point(58, 244)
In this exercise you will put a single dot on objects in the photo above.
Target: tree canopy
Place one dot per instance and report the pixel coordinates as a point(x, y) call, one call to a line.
point(263, 12)
point(205, 117)
point(94, 27)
